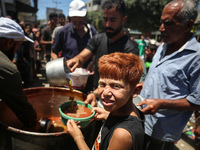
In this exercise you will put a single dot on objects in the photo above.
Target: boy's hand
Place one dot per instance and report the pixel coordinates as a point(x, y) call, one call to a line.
point(73, 129)
point(91, 99)
point(101, 114)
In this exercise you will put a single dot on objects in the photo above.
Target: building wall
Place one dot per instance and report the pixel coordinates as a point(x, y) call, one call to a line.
point(93, 5)
point(52, 10)
point(7, 5)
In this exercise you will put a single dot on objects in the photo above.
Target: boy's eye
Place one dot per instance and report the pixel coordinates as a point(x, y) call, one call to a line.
point(116, 86)
point(102, 84)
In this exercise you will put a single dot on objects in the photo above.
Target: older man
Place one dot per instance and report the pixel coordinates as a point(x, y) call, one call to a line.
point(73, 37)
point(171, 89)
point(11, 90)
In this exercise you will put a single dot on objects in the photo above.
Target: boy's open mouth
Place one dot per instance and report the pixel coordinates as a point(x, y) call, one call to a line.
point(107, 102)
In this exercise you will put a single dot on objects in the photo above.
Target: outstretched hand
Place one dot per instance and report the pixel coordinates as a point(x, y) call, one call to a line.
point(153, 105)
point(91, 99)
point(73, 64)
point(101, 114)
point(73, 129)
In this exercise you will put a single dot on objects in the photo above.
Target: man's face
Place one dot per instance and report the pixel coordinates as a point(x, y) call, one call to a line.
point(62, 21)
point(113, 22)
point(171, 29)
point(28, 31)
point(78, 22)
point(54, 21)
point(12, 50)
point(142, 38)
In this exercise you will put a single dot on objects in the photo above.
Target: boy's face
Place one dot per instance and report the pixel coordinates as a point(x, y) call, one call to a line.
point(114, 94)
point(149, 53)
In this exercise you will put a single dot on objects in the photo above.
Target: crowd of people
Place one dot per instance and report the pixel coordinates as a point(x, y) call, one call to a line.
point(28, 57)
point(117, 64)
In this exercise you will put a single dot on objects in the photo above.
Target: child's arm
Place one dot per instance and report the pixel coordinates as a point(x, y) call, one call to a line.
point(101, 114)
point(77, 135)
point(121, 139)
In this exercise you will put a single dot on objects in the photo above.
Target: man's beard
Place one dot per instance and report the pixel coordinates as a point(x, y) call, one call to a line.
point(10, 53)
point(112, 34)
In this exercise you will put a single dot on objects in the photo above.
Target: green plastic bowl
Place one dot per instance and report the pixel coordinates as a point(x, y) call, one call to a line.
point(83, 121)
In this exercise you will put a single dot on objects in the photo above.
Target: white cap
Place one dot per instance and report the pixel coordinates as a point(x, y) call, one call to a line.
point(77, 8)
point(152, 41)
point(12, 30)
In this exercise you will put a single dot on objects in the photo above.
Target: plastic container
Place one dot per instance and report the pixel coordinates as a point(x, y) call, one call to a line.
point(83, 121)
point(137, 100)
point(79, 78)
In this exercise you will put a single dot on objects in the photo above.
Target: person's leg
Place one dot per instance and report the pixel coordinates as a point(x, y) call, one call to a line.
point(147, 140)
point(154, 144)
point(197, 130)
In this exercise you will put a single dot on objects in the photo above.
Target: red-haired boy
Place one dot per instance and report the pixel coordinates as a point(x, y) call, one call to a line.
point(119, 82)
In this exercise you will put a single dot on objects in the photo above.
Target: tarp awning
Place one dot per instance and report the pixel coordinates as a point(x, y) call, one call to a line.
point(21, 7)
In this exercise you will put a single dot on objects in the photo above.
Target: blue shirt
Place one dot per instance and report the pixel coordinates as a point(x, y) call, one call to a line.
point(68, 40)
point(174, 76)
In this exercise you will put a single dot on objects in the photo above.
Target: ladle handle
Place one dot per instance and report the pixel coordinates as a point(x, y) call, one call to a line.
point(45, 124)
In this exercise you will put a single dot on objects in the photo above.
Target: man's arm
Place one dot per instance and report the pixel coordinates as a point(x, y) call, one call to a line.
point(54, 55)
point(57, 44)
point(42, 41)
point(153, 105)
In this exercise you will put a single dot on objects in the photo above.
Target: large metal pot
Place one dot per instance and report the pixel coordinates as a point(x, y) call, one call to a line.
point(46, 102)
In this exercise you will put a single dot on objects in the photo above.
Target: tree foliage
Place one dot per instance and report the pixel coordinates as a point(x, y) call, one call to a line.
point(144, 15)
point(96, 19)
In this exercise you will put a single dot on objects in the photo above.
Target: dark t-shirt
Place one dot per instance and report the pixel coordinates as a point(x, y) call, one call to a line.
point(47, 36)
point(132, 124)
point(69, 41)
point(99, 46)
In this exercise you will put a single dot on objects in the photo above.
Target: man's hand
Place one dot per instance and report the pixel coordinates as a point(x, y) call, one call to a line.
point(153, 105)
point(73, 63)
point(54, 55)
point(90, 68)
point(91, 99)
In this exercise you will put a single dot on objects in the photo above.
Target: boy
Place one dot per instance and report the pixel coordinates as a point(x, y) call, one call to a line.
point(123, 129)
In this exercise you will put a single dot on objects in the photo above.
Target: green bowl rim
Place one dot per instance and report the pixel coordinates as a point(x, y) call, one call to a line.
point(76, 119)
